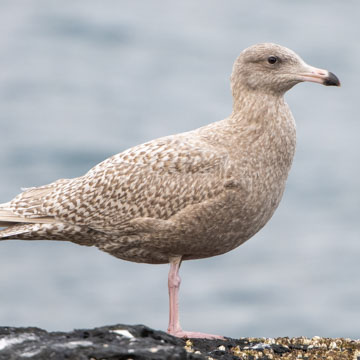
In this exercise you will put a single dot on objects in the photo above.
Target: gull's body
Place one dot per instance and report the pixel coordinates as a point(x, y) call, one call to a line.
point(186, 196)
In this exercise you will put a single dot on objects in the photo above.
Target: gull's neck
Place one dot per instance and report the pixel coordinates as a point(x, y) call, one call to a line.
point(256, 119)
point(251, 106)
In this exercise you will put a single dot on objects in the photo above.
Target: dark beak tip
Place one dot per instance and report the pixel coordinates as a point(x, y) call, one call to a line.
point(332, 80)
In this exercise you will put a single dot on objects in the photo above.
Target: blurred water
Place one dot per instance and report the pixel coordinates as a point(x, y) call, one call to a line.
point(87, 79)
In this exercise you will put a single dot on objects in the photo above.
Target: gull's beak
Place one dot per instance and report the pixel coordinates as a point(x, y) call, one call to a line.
point(320, 76)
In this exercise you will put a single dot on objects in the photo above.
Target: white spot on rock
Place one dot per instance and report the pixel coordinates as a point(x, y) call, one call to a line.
point(31, 353)
point(12, 340)
point(75, 344)
point(260, 346)
point(124, 333)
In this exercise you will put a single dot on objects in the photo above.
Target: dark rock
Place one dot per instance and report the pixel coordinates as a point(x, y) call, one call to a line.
point(137, 342)
point(109, 342)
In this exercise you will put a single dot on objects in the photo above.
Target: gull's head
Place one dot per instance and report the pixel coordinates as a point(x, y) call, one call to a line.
point(274, 69)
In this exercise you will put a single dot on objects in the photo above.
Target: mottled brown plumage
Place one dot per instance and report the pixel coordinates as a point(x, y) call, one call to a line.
point(186, 196)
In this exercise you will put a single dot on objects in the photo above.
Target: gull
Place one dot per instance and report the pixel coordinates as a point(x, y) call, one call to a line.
point(187, 196)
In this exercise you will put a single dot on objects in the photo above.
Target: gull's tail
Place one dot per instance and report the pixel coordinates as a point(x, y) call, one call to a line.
point(14, 225)
point(24, 218)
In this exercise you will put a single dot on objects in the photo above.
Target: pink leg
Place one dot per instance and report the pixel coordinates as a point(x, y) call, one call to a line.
point(174, 323)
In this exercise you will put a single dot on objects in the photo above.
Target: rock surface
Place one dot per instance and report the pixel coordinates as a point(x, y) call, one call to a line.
point(140, 342)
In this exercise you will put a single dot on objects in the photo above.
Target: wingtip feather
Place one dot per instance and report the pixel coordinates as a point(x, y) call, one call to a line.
point(8, 217)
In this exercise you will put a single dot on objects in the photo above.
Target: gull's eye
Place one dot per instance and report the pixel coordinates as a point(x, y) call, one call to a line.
point(272, 59)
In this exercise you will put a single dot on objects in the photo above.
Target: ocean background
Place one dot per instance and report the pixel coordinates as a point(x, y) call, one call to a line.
point(82, 80)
